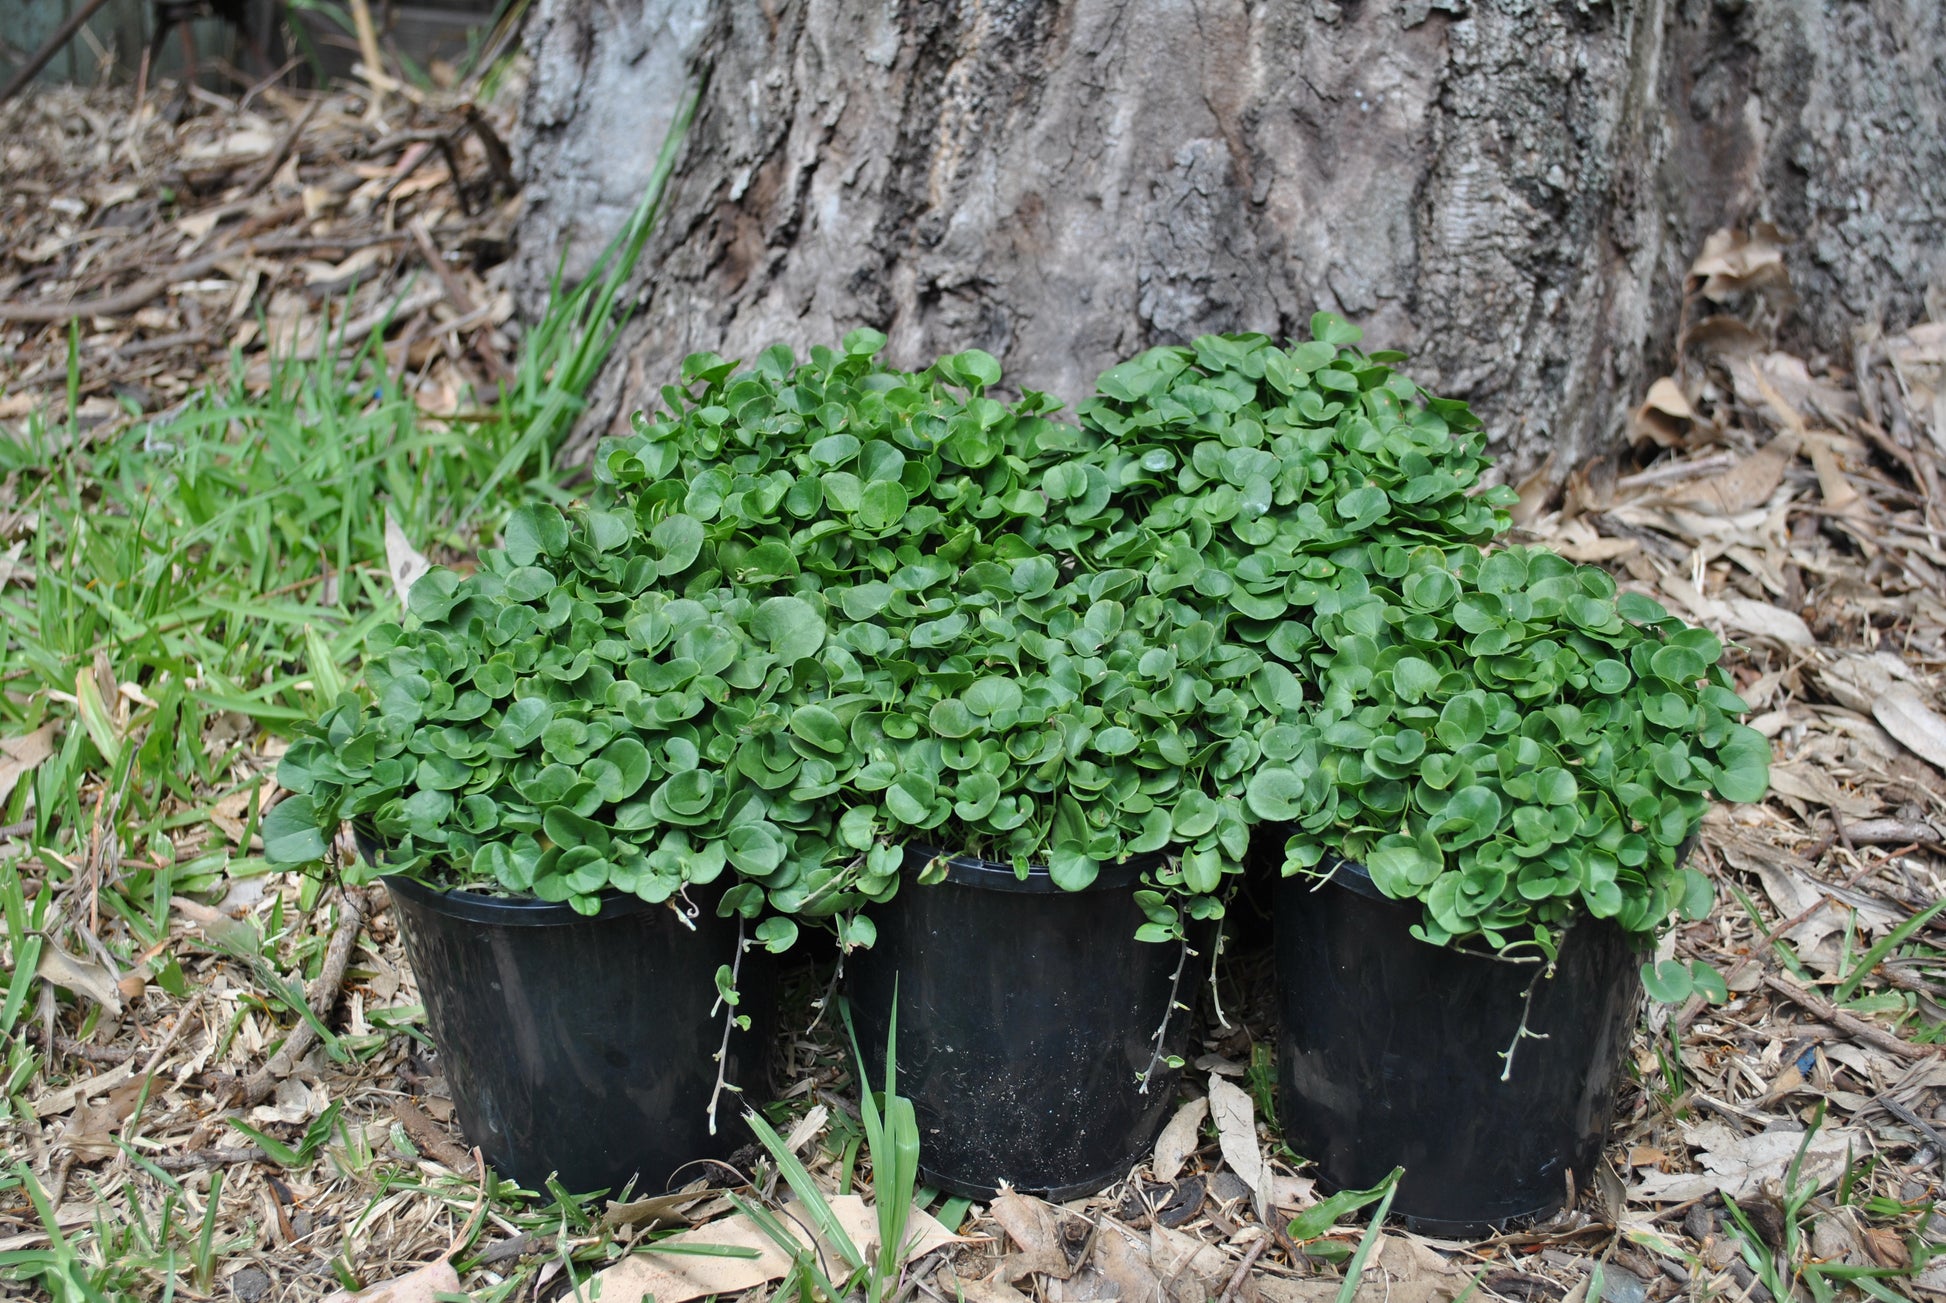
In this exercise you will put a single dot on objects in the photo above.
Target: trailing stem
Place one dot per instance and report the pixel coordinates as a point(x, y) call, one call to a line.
point(1168, 1010)
point(1522, 1032)
point(729, 1024)
point(1216, 996)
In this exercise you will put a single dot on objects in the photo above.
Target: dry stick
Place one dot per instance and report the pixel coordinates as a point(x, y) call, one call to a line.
point(375, 74)
point(456, 292)
point(40, 59)
point(1917, 1123)
point(1697, 1003)
point(262, 1084)
point(429, 1137)
point(1243, 1269)
point(365, 325)
point(126, 301)
point(113, 305)
point(196, 1159)
point(1850, 1024)
point(283, 150)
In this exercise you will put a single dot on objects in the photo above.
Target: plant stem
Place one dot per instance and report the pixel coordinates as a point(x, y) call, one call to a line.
point(1521, 1032)
point(1162, 1031)
point(729, 1023)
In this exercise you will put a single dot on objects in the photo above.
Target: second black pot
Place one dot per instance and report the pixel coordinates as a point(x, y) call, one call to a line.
point(1026, 1015)
point(1389, 1055)
point(582, 1047)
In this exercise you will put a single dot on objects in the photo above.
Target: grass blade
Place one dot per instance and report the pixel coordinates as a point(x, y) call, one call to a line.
point(1366, 1242)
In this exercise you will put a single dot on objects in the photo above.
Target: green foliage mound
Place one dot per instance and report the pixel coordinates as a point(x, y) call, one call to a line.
point(1511, 742)
point(980, 692)
point(560, 723)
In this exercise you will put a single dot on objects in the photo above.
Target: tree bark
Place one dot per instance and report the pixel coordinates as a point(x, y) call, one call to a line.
point(1510, 190)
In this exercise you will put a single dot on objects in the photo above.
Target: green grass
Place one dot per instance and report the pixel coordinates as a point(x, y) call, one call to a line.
point(199, 581)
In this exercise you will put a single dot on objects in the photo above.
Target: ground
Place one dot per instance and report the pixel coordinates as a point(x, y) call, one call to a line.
point(217, 1081)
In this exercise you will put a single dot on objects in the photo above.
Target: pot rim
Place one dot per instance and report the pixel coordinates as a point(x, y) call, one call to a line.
point(509, 911)
point(997, 875)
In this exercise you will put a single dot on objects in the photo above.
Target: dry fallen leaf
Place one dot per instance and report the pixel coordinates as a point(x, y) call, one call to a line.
point(1908, 718)
point(421, 1286)
point(81, 977)
point(1035, 1226)
point(1806, 782)
point(678, 1277)
point(90, 1133)
point(1747, 483)
point(19, 755)
point(1738, 1165)
point(1178, 1140)
point(1663, 416)
point(1236, 1130)
point(1750, 261)
point(405, 561)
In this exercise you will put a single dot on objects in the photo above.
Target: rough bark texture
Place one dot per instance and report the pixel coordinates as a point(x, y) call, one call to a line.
point(1509, 189)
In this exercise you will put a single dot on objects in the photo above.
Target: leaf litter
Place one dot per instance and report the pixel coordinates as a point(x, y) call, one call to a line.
point(1790, 503)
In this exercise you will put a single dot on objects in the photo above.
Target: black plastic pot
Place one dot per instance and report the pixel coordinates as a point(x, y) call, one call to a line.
point(1026, 1015)
point(1389, 1055)
point(581, 1046)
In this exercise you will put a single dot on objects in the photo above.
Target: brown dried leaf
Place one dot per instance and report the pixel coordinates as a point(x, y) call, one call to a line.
point(1664, 416)
point(1734, 263)
point(421, 1286)
point(1739, 1165)
point(1178, 1140)
point(1748, 483)
point(1035, 1226)
point(80, 976)
point(1809, 783)
point(19, 755)
point(1907, 717)
point(1126, 1266)
point(90, 1133)
point(1235, 1116)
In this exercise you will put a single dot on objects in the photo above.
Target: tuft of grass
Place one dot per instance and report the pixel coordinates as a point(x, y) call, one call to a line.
point(891, 1134)
point(196, 582)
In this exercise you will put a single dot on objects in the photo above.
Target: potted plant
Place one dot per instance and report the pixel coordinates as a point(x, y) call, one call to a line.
point(1033, 750)
point(1244, 477)
point(1490, 804)
point(545, 774)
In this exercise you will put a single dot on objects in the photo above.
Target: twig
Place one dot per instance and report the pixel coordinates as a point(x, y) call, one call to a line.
point(1243, 1269)
point(173, 1034)
point(260, 1085)
point(197, 1159)
point(126, 301)
point(1917, 1123)
point(26, 72)
point(375, 75)
point(1850, 1024)
point(1697, 1003)
point(456, 292)
point(283, 150)
point(429, 1137)
point(365, 325)
point(114, 305)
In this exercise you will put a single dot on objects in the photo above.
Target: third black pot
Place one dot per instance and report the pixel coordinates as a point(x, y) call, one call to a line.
point(1026, 1014)
point(583, 1046)
point(1389, 1055)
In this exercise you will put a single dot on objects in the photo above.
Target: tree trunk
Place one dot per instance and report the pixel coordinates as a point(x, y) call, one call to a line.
point(1510, 190)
